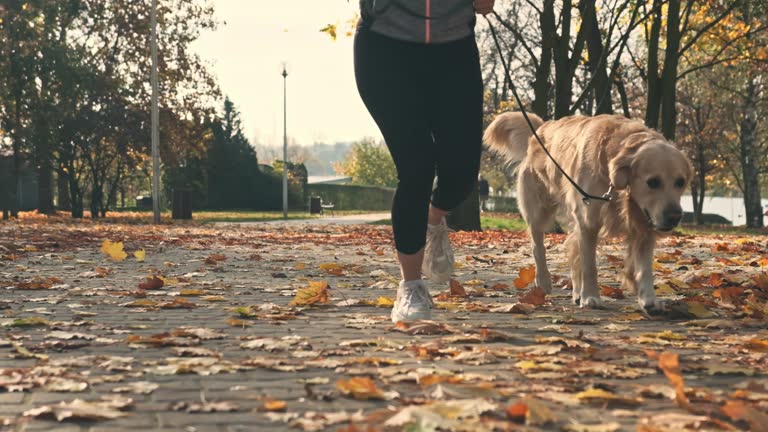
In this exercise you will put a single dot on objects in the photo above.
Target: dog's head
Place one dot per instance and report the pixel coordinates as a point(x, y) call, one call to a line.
point(656, 173)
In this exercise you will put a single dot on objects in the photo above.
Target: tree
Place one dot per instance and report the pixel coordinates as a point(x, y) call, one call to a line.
point(369, 163)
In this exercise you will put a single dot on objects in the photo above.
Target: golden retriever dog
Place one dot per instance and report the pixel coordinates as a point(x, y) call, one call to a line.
point(647, 172)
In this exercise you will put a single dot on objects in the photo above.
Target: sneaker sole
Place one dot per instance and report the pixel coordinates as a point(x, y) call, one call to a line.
point(419, 316)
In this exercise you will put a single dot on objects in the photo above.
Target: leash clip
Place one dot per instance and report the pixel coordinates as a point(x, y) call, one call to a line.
point(608, 196)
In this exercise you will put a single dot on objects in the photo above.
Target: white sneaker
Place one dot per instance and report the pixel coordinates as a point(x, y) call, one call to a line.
point(413, 302)
point(438, 262)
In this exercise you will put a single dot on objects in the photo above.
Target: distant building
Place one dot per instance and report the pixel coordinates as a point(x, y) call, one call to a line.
point(338, 180)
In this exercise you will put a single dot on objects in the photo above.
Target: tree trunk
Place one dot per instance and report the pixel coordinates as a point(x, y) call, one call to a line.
point(44, 183)
point(699, 191)
point(62, 186)
point(669, 75)
point(604, 104)
point(749, 157)
point(563, 81)
point(654, 81)
point(541, 85)
point(466, 217)
point(76, 196)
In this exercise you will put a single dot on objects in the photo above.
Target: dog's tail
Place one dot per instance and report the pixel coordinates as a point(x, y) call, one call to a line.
point(508, 135)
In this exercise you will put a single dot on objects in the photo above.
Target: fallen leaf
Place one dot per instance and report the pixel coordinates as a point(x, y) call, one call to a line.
point(274, 405)
point(517, 412)
point(114, 250)
point(361, 388)
point(741, 411)
point(316, 292)
point(151, 283)
point(77, 409)
point(140, 255)
point(457, 290)
point(139, 387)
point(525, 277)
point(535, 297)
point(205, 407)
point(670, 365)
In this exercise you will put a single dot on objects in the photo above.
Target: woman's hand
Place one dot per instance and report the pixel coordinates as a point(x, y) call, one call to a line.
point(484, 7)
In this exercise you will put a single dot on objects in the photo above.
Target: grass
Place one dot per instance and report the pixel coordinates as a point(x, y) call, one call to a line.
point(133, 216)
point(493, 221)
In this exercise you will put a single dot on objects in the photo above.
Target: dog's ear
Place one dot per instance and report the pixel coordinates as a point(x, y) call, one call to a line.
point(620, 167)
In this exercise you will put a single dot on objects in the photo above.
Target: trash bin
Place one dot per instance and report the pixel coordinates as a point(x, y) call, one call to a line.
point(182, 204)
point(144, 202)
point(315, 205)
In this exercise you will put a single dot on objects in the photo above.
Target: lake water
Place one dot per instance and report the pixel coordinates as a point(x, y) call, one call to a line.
point(729, 208)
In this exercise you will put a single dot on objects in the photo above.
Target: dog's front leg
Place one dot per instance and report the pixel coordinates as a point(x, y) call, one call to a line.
point(642, 254)
point(543, 277)
point(590, 294)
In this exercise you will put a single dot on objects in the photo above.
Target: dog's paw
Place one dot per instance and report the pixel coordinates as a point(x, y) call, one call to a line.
point(591, 303)
point(653, 306)
point(545, 285)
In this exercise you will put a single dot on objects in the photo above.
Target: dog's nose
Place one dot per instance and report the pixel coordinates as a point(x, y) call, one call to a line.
point(673, 215)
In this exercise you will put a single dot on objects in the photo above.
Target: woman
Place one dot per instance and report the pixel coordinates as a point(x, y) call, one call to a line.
point(418, 73)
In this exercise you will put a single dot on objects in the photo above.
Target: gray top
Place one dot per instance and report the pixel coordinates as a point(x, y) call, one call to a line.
point(424, 21)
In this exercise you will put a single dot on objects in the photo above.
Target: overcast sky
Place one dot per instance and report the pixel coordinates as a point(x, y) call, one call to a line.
point(245, 54)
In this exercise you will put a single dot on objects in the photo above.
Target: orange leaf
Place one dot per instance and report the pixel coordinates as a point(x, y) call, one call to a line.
point(611, 292)
point(360, 388)
point(274, 405)
point(535, 297)
point(716, 280)
point(517, 412)
point(740, 411)
point(720, 247)
point(525, 276)
point(669, 363)
point(458, 290)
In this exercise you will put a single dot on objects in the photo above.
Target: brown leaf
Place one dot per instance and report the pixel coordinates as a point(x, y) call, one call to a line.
point(215, 259)
point(152, 283)
point(612, 292)
point(535, 297)
point(457, 290)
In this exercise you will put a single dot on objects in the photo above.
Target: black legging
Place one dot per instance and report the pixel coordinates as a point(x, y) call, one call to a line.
point(427, 100)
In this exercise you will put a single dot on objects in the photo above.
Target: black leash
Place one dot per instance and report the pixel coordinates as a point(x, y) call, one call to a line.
point(608, 196)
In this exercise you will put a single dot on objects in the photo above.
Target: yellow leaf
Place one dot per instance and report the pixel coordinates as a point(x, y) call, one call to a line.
point(300, 266)
point(168, 282)
point(192, 292)
point(595, 393)
point(665, 290)
point(140, 255)
point(316, 292)
point(699, 310)
point(114, 250)
point(385, 302)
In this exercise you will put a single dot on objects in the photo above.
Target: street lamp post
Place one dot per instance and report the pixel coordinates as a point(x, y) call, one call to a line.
point(285, 141)
point(155, 123)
